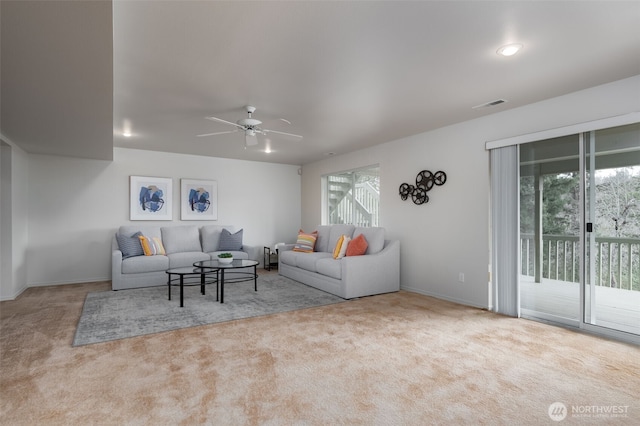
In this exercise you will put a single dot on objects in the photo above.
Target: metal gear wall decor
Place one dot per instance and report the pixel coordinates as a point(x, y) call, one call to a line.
point(425, 181)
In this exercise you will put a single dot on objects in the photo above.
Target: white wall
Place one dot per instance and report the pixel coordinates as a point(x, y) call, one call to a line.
point(6, 281)
point(76, 205)
point(13, 221)
point(450, 234)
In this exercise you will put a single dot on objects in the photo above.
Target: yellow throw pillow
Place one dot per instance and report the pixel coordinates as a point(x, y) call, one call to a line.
point(147, 247)
point(157, 242)
point(151, 246)
point(343, 248)
point(336, 250)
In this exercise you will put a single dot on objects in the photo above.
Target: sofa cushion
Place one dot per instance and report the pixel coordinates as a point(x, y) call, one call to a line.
point(308, 261)
point(306, 241)
point(187, 258)
point(357, 246)
point(322, 242)
point(336, 232)
point(229, 241)
point(374, 236)
point(140, 264)
point(178, 239)
point(330, 267)
point(211, 236)
point(288, 257)
point(130, 245)
point(146, 230)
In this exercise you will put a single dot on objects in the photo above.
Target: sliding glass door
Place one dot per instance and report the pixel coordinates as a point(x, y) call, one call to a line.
point(550, 230)
point(580, 229)
point(612, 217)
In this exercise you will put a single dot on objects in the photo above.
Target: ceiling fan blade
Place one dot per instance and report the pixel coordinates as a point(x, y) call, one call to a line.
point(281, 133)
point(224, 121)
point(217, 133)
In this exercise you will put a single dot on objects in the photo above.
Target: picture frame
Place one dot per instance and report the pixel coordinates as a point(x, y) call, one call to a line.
point(151, 198)
point(198, 199)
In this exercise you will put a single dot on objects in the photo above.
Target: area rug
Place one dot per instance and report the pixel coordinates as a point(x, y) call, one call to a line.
point(112, 315)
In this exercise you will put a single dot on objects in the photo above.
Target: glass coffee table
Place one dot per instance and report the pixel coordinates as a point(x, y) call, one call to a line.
point(185, 277)
point(231, 272)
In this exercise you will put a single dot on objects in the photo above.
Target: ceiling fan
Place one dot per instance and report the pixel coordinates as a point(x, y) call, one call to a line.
point(249, 126)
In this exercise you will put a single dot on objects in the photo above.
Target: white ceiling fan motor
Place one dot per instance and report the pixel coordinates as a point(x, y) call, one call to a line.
point(249, 123)
point(250, 127)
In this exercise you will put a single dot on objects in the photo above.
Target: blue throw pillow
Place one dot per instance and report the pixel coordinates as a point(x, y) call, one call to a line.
point(229, 241)
point(130, 246)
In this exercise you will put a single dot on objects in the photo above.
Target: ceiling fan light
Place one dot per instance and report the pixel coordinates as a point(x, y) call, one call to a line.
point(250, 138)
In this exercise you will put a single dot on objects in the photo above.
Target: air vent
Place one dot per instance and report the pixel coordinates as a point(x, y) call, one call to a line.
point(490, 104)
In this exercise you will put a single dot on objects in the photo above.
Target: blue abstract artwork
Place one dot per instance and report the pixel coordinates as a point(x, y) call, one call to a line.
point(199, 199)
point(150, 198)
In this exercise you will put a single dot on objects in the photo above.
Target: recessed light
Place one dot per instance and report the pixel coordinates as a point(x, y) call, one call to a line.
point(509, 49)
point(126, 134)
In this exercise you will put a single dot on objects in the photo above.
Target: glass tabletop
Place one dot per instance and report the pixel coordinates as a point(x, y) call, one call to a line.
point(237, 263)
point(185, 270)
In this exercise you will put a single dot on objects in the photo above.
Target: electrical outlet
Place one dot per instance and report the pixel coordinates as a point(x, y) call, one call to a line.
point(461, 277)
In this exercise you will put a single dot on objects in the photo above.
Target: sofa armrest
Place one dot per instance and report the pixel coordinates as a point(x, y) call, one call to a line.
point(254, 252)
point(285, 247)
point(373, 273)
point(116, 266)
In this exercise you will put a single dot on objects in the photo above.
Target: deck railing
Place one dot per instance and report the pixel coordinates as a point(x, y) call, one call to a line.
point(617, 260)
point(362, 211)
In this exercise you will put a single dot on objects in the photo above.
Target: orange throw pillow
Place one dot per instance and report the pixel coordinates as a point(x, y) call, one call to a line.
point(358, 246)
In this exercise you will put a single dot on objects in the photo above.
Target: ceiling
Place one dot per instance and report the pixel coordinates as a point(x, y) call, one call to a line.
point(346, 75)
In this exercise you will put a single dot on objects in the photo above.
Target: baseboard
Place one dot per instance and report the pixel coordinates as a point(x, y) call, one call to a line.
point(15, 296)
point(443, 297)
point(50, 283)
point(86, 280)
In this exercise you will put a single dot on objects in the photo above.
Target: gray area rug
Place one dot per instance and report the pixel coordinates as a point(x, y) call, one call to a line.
point(112, 315)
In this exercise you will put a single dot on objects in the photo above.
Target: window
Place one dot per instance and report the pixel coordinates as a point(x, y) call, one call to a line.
point(353, 197)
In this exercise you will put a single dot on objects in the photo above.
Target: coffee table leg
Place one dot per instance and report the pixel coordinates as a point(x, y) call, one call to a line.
point(255, 278)
point(181, 291)
point(169, 285)
point(201, 283)
point(222, 286)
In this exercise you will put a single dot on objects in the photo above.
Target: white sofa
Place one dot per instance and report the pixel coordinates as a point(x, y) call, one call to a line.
point(184, 245)
point(375, 272)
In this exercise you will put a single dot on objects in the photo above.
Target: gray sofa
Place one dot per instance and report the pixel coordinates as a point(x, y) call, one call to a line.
point(183, 245)
point(375, 272)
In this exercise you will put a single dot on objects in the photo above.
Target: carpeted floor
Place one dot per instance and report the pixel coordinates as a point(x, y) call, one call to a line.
point(394, 359)
point(111, 315)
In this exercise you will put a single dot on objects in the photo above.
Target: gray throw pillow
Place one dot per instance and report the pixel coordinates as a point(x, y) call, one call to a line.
point(229, 241)
point(130, 246)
